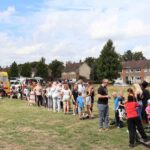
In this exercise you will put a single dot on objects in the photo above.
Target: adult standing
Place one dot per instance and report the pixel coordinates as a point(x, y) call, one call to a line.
point(138, 96)
point(103, 105)
point(59, 97)
point(49, 96)
point(81, 88)
point(54, 95)
point(90, 99)
point(66, 93)
point(38, 92)
point(90, 91)
point(145, 97)
point(74, 99)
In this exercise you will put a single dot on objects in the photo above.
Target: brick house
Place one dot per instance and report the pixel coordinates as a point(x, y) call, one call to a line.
point(76, 71)
point(136, 71)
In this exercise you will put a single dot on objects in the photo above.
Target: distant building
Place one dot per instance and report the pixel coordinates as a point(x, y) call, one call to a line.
point(136, 71)
point(76, 71)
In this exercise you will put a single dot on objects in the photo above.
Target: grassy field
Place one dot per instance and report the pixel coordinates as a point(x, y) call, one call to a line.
point(25, 127)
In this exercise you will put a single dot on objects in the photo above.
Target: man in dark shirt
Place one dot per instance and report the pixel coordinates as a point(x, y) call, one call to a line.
point(103, 105)
point(145, 97)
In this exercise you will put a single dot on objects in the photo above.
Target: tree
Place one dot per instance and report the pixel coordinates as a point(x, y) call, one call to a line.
point(129, 55)
point(92, 62)
point(42, 69)
point(14, 70)
point(26, 70)
point(33, 64)
point(109, 63)
point(56, 68)
point(138, 56)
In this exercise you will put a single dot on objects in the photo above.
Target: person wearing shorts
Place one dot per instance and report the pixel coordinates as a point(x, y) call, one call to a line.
point(66, 93)
point(88, 101)
point(80, 101)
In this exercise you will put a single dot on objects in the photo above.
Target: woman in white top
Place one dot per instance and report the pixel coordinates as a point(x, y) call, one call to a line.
point(59, 96)
point(49, 96)
point(66, 93)
point(81, 88)
point(54, 95)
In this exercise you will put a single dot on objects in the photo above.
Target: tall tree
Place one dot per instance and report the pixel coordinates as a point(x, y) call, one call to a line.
point(14, 70)
point(26, 70)
point(42, 69)
point(109, 63)
point(128, 55)
point(56, 68)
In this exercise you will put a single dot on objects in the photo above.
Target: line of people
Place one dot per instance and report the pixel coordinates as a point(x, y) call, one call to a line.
point(57, 96)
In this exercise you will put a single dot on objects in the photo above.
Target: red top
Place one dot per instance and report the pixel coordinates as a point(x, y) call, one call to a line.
point(131, 109)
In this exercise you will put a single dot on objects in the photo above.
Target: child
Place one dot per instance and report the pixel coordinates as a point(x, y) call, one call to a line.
point(121, 109)
point(116, 106)
point(133, 121)
point(31, 97)
point(80, 101)
point(148, 111)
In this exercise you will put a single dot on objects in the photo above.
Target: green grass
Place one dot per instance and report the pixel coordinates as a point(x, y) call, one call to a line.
point(25, 127)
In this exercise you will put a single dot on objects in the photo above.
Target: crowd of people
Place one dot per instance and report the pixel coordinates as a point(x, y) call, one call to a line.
point(135, 108)
point(61, 97)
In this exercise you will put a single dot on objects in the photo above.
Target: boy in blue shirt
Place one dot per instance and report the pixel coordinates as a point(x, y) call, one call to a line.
point(116, 106)
point(80, 101)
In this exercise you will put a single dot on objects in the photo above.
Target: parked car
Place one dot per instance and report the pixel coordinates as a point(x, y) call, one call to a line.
point(120, 84)
point(15, 83)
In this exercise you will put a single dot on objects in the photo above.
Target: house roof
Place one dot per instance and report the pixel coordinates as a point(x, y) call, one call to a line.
point(72, 67)
point(136, 64)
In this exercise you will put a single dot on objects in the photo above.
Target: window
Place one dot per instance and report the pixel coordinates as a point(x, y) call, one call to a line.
point(138, 78)
point(145, 70)
point(131, 70)
point(138, 70)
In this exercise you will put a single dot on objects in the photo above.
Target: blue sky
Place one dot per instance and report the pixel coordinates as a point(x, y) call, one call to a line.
point(71, 29)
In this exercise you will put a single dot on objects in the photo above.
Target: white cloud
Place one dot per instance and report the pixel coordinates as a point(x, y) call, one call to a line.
point(6, 14)
point(136, 28)
point(26, 50)
point(73, 30)
point(144, 49)
point(104, 28)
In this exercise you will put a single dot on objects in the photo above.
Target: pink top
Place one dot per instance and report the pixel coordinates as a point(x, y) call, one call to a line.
point(148, 111)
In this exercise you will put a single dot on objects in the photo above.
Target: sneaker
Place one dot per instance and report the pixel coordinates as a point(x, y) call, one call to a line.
point(101, 129)
point(73, 114)
point(131, 145)
point(106, 129)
